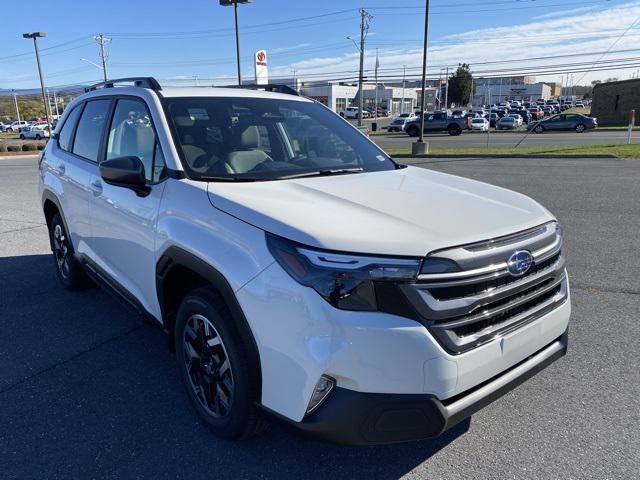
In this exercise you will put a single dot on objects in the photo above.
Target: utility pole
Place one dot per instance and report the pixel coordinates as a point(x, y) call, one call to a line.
point(55, 101)
point(419, 147)
point(15, 99)
point(446, 92)
point(365, 19)
point(404, 75)
point(35, 36)
point(102, 41)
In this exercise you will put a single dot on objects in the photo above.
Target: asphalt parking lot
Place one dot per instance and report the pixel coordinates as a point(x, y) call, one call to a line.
point(88, 390)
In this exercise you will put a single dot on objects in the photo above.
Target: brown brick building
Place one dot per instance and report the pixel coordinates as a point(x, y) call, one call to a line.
point(612, 101)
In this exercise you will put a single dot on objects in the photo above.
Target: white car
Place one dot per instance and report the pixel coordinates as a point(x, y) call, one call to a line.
point(480, 124)
point(518, 118)
point(17, 126)
point(35, 132)
point(352, 112)
point(299, 272)
point(397, 124)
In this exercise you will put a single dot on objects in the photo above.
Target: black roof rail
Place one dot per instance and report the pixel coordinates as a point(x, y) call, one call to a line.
point(269, 87)
point(142, 82)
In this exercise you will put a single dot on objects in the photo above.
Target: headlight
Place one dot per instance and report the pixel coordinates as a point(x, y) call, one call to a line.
point(346, 281)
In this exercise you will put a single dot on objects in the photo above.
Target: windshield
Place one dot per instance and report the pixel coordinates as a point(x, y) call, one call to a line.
point(228, 138)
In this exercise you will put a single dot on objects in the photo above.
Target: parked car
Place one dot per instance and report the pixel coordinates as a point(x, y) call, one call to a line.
point(397, 125)
point(565, 121)
point(412, 299)
point(536, 113)
point(517, 118)
point(352, 112)
point(17, 126)
point(479, 124)
point(35, 132)
point(507, 123)
point(436, 122)
point(458, 113)
point(580, 105)
point(492, 118)
point(524, 113)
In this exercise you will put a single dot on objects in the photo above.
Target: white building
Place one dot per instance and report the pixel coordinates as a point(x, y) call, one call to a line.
point(528, 92)
point(339, 96)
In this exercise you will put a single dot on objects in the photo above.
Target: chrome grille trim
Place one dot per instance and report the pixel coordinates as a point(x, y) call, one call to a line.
point(466, 309)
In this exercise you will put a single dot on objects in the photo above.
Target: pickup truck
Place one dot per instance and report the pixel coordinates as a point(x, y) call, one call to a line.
point(436, 122)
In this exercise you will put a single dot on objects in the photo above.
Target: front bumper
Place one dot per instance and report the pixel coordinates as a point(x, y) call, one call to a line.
point(358, 418)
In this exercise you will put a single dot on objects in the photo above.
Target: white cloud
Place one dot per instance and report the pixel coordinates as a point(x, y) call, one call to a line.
point(562, 13)
point(581, 31)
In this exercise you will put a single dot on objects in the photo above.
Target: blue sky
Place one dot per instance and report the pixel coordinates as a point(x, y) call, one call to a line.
point(177, 41)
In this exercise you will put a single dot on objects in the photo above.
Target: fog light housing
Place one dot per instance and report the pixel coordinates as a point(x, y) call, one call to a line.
point(321, 391)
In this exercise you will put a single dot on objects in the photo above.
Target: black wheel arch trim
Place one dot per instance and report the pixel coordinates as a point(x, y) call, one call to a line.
point(176, 256)
point(50, 196)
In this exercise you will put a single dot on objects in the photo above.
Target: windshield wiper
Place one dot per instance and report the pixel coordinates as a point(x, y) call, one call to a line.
point(322, 173)
point(230, 179)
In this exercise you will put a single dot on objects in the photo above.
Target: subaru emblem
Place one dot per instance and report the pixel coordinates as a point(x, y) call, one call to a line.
point(519, 262)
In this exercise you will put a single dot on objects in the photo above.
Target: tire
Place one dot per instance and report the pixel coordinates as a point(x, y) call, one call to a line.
point(580, 128)
point(538, 129)
point(342, 114)
point(413, 131)
point(454, 130)
point(230, 410)
point(22, 136)
point(38, 137)
point(68, 269)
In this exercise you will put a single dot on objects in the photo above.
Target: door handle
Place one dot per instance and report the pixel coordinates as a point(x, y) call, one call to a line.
point(61, 168)
point(96, 186)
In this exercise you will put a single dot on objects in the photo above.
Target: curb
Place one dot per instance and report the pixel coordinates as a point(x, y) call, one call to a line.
point(504, 155)
point(3, 156)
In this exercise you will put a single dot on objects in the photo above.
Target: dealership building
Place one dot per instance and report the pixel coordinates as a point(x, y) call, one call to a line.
point(338, 96)
point(612, 101)
point(524, 88)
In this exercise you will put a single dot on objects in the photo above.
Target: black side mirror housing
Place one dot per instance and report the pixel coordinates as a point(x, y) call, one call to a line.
point(126, 172)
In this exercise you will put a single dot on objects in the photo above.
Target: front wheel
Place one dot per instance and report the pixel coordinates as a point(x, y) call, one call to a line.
point(22, 136)
point(580, 128)
point(38, 137)
point(68, 269)
point(215, 366)
point(539, 129)
point(413, 131)
point(453, 131)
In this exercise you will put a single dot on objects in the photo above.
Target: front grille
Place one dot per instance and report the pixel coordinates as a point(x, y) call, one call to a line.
point(448, 293)
point(482, 301)
point(479, 326)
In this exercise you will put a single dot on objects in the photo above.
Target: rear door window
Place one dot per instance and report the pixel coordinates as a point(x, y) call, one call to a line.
point(66, 134)
point(90, 129)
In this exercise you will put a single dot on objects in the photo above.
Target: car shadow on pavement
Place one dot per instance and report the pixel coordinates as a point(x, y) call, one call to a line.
point(89, 390)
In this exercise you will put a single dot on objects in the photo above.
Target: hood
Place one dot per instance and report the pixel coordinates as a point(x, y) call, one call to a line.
point(410, 211)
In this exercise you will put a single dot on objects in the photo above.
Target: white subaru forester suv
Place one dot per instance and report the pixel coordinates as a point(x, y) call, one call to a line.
point(299, 271)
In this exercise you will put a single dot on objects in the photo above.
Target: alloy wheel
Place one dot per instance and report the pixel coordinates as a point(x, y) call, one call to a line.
point(61, 250)
point(208, 366)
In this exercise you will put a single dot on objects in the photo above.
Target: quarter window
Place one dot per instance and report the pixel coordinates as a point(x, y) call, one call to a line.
point(64, 138)
point(90, 127)
point(131, 134)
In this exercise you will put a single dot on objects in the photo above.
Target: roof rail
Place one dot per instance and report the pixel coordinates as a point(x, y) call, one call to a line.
point(142, 82)
point(269, 87)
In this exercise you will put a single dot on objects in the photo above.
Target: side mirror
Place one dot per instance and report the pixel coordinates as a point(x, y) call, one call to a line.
point(126, 172)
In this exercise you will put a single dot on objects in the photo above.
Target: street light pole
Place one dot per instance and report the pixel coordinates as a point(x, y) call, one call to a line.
point(228, 3)
point(35, 36)
point(419, 146)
